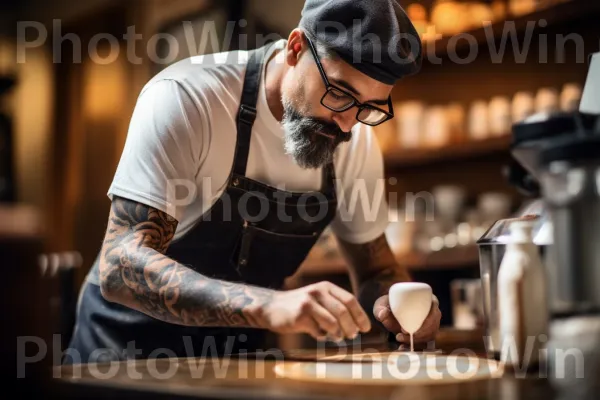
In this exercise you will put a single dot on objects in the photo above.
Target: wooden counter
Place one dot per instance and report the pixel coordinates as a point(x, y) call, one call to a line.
point(250, 380)
point(253, 377)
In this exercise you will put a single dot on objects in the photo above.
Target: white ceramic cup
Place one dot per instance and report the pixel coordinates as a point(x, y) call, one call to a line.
point(410, 303)
point(410, 124)
point(547, 100)
point(478, 120)
point(523, 105)
point(499, 115)
point(456, 119)
point(449, 200)
point(436, 127)
point(570, 97)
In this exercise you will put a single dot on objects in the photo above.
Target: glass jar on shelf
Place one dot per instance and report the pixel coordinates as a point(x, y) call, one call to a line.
point(500, 119)
point(456, 122)
point(449, 203)
point(523, 106)
point(475, 226)
point(436, 130)
point(478, 120)
point(547, 100)
point(410, 124)
point(570, 97)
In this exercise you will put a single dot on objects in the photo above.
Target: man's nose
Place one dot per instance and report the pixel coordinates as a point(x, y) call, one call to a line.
point(345, 120)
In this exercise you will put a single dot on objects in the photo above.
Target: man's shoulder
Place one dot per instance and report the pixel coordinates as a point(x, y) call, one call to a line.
point(201, 75)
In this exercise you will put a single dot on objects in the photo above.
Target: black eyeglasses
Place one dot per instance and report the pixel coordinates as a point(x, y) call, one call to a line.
point(338, 100)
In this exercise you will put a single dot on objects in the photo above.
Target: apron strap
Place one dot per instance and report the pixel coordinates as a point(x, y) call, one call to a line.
point(247, 111)
point(247, 115)
point(328, 179)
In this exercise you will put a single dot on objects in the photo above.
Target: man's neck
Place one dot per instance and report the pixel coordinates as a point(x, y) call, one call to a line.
point(273, 79)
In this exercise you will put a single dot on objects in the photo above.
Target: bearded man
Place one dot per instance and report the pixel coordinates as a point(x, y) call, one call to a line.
point(262, 145)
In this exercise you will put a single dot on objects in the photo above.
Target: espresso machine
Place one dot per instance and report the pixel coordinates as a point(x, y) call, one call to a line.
point(558, 160)
point(570, 182)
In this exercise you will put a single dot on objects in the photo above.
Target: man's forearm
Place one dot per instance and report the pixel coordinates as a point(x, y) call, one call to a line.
point(135, 273)
point(371, 289)
point(373, 269)
point(171, 292)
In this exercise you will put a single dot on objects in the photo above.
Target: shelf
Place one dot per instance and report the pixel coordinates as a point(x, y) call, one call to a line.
point(406, 158)
point(448, 259)
point(456, 258)
point(560, 13)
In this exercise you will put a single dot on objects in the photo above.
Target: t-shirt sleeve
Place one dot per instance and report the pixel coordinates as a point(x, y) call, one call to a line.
point(362, 213)
point(160, 158)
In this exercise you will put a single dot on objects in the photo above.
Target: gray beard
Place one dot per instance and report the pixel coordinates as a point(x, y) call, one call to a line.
point(309, 149)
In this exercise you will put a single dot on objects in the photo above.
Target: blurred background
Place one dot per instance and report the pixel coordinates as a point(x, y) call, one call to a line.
point(64, 115)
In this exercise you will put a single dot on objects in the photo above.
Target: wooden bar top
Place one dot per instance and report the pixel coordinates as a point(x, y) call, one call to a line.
point(253, 376)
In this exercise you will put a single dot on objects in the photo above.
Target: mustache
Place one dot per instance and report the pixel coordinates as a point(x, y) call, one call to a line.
point(319, 125)
point(310, 141)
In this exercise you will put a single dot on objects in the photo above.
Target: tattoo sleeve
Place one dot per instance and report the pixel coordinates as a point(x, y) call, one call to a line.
point(135, 272)
point(373, 269)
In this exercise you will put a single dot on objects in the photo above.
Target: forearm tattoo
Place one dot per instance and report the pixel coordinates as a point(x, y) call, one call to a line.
point(135, 272)
point(374, 267)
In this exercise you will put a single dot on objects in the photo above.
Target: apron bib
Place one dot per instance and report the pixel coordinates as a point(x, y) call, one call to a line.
point(242, 238)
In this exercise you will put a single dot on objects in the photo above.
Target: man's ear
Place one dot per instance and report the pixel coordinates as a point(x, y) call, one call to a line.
point(295, 46)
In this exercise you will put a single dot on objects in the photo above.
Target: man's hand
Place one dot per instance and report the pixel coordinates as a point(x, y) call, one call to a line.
point(427, 332)
point(373, 270)
point(321, 310)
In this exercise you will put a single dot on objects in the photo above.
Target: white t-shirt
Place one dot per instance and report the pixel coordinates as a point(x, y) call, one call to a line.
point(182, 136)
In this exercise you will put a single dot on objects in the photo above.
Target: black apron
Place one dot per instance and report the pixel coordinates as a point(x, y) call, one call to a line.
point(253, 234)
